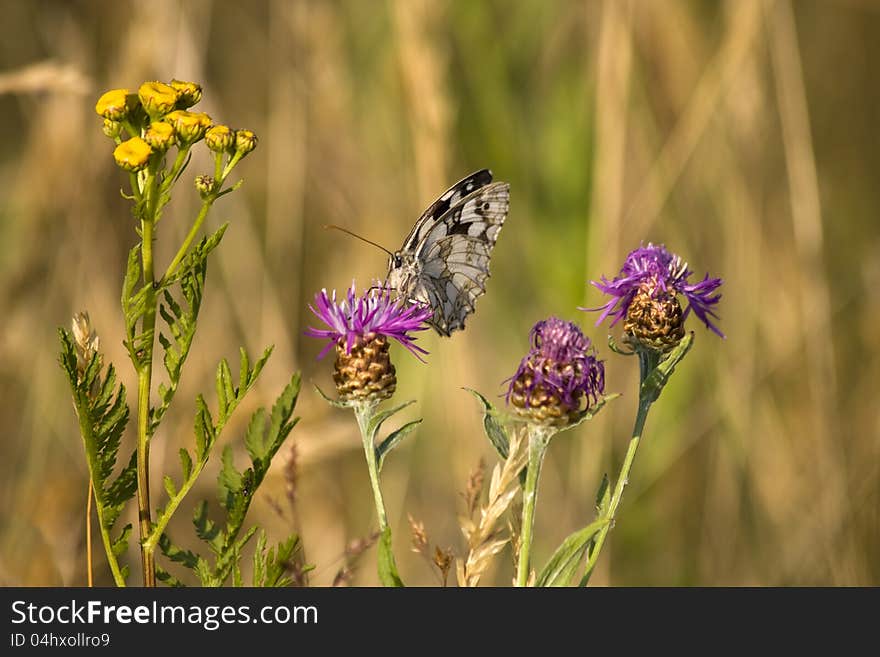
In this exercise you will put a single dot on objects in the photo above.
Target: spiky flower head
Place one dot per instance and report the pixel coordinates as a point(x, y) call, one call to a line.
point(560, 376)
point(360, 329)
point(132, 154)
point(645, 295)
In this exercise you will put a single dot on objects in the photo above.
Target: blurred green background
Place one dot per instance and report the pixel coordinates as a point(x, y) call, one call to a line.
point(742, 134)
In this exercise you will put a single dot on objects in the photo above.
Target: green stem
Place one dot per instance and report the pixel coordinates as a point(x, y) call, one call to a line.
point(364, 413)
point(622, 480)
point(145, 375)
point(539, 438)
point(184, 248)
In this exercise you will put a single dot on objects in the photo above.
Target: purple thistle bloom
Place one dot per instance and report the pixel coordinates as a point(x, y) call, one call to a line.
point(560, 365)
point(660, 272)
point(373, 313)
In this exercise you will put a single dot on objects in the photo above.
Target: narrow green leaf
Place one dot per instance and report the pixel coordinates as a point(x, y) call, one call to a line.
point(376, 421)
point(120, 545)
point(388, 574)
point(169, 486)
point(659, 376)
point(132, 274)
point(330, 400)
point(494, 430)
point(603, 495)
point(225, 389)
point(229, 479)
point(254, 437)
point(243, 373)
point(392, 441)
point(186, 463)
point(563, 565)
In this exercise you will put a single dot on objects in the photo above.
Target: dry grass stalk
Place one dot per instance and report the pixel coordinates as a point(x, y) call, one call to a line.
point(439, 558)
point(353, 550)
point(485, 538)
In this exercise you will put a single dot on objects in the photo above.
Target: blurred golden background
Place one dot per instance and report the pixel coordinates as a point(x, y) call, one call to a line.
point(742, 134)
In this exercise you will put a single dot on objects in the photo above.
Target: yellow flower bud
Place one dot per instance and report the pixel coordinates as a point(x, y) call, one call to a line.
point(189, 93)
point(160, 135)
point(157, 98)
point(112, 128)
point(220, 138)
point(245, 141)
point(133, 154)
point(115, 104)
point(205, 185)
point(189, 126)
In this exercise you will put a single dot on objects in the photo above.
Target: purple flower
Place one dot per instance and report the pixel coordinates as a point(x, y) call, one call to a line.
point(559, 370)
point(662, 274)
point(372, 314)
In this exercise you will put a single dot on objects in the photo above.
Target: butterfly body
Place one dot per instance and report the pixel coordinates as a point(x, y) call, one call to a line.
point(444, 261)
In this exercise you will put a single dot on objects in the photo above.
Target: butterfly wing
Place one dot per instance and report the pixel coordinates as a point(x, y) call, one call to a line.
point(449, 199)
point(454, 253)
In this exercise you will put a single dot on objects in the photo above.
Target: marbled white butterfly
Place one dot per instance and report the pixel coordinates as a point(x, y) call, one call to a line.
point(444, 260)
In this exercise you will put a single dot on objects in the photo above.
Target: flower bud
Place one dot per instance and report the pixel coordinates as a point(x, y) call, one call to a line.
point(84, 338)
point(245, 141)
point(189, 126)
point(188, 93)
point(365, 373)
point(654, 320)
point(205, 185)
point(133, 154)
point(157, 98)
point(159, 135)
point(115, 104)
point(112, 128)
point(220, 138)
point(557, 376)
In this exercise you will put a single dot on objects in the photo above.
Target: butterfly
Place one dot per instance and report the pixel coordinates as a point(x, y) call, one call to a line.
point(444, 261)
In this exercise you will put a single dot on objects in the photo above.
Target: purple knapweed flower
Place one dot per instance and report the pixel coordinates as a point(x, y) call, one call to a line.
point(656, 276)
point(360, 328)
point(559, 372)
point(372, 314)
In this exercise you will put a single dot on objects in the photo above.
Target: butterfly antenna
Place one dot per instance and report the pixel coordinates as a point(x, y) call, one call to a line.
point(362, 239)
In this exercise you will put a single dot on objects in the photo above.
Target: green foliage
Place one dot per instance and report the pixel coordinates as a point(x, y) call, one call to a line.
point(656, 375)
point(562, 566)
point(495, 431)
point(388, 574)
point(384, 447)
point(136, 302)
point(271, 568)
point(263, 438)
point(181, 322)
point(103, 415)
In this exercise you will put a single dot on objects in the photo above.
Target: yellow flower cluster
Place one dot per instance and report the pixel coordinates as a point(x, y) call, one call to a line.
point(157, 117)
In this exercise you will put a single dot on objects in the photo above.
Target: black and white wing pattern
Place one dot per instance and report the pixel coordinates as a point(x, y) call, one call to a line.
point(444, 260)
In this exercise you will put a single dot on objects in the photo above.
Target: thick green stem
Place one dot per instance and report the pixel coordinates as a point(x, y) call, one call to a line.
point(539, 438)
point(145, 374)
point(364, 413)
point(622, 480)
